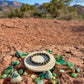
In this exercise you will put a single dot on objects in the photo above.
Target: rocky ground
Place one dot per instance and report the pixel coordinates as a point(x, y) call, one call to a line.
point(29, 35)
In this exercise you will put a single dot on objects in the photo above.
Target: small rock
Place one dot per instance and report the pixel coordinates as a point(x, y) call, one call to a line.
point(40, 82)
point(64, 54)
point(77, 70)
point(58, 63)
point(9, 75)
point(37, 79)
point(49, 75)
point(74, 75)
point(0, 77)
point(12, 63)
point(53, 77)
point(70, 67)
point(10, 67)
point(54, 81)
point(49, 51)
point(62, 62)
point(7, 71)
point(17, 62)
point(61, 70)
point(54, 74)
point(32, 76)
point(25, 73)
point(42, 77)
point(16, 78)
point(4, 76)
point(20, 71)
point(68, 64)
point(52, 69)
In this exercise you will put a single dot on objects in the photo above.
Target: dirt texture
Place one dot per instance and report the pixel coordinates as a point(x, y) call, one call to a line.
point(29, 35)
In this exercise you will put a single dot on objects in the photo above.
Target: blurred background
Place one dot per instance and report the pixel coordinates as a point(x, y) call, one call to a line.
point(48, 9)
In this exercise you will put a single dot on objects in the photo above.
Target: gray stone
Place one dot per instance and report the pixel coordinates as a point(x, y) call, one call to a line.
point(49, 75)
point(16, 78)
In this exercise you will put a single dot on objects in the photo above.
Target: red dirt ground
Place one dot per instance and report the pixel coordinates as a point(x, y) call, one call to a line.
point(29, 35)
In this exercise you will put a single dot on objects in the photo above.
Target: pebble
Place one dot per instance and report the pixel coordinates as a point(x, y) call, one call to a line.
point(25, 73)
point(68, 64)
point(58, 63)
point(62, 62)
point(70, 67)
point(61, 70)
point(49, 51)
point(38, 78)
point(74, 75)
point(32, 76)
point(77, 70)
point(64, 54)
point(42, 77)
point(9, 75)
point(52, 69)
point(53, 82)
point(49, 75)
point(10, 67)
point(54, 74)
point(20, 71)
point(4, 76)
point(61, 57)
point(40, 82)
point(53, 77)
point(7, 71)
point(0, 76)
point(17, 62)
point(16, 78)
point(12, 63)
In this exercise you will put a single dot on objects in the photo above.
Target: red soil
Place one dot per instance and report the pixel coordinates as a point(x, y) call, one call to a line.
point(31, 34)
